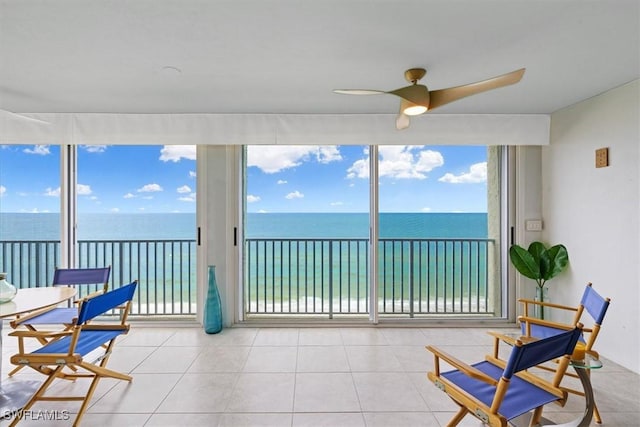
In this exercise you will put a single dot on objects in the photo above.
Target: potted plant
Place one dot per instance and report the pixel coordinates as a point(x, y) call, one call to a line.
point(539, 263)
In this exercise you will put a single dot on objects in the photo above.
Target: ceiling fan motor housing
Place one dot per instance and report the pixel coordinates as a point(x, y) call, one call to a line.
point(414, 74)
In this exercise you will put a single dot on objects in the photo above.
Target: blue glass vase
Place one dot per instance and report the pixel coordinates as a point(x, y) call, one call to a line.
point(212, 308)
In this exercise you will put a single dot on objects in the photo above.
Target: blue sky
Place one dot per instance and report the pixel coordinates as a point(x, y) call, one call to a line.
point(129, 179)
point(336, 179)
point(147, 179)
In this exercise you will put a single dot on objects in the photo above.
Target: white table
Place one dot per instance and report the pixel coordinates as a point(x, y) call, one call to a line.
point(15, 393)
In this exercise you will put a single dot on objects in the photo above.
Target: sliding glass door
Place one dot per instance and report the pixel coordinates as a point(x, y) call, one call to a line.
point(435, 248)
point(306, 231)
point(314, 243)
point(136, 212)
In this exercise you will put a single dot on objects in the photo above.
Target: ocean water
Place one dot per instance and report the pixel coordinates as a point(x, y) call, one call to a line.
point(45, 226)
point(317, 255)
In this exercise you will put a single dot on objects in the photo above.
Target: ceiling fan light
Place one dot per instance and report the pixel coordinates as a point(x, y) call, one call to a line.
point(411, 109)
point(415, 110)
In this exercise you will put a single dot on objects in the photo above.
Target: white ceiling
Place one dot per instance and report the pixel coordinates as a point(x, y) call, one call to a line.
point(286, 56)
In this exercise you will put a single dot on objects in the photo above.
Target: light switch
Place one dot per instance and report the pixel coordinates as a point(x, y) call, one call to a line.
point(533, 225)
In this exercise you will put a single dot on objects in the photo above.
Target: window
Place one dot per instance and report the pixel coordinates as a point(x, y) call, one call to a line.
point(29, 213)
point(131, 207)
point(307, 220)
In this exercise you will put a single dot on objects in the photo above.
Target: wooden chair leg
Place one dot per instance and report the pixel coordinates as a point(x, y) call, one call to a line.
point(535, 417)
point(458, 417)
point(15, 370)
point(596, 414)
point(99, 372)
point(36, 396)
point(87, 399)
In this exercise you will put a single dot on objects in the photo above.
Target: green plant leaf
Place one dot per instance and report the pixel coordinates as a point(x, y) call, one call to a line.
point(558, 260)
point(539, 252)
point(524, 262)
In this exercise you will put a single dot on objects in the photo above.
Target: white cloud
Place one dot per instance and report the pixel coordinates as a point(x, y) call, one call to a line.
point(184, 189)
point(52, 192)
point(115, 210)
point(129, 196)
point(399, 162)
point(328, 154)
point(252, 199)
point(95, 148)
point(294, 195)
point(34, 210)
point(272, 159)
point(336, 203)
point(3, 190)
point(281, 182)
point(477, 173)
point(174, 153)
point(192, 174)
point(41, 150)
point(425, 209)
point(263, 211)
point(150, 188)
point(190, 198)
point(359, 169)
point(83, 190)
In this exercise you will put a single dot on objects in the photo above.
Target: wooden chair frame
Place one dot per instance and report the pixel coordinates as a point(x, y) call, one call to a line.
point(68, 348)
point(57, 315)
point(593, 304)
point(492, 402)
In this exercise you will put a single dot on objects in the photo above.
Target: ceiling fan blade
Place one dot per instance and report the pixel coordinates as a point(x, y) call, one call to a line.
point(444, 96)
point(402, 121)
point(359, 91)
point(418, 94)
point(17, 116)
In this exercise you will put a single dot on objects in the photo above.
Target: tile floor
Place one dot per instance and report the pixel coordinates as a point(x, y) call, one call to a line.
point(297, 377)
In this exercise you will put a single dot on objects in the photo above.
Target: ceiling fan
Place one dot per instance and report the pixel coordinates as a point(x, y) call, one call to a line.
point(416, 99)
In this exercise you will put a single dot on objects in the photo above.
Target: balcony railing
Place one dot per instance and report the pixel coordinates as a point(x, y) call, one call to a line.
point(330, 276)
point(165, 269)
point(324, 277)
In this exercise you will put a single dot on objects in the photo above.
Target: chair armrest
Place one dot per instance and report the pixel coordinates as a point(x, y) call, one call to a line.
point(545, 323)
point(511, 340)
point(547, 304)
point(39, 334)
point(22, 319)
point(465, 368)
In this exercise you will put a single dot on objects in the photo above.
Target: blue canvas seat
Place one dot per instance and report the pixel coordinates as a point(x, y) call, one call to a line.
point(496, 391)
point(89, 281)
point(69, 348)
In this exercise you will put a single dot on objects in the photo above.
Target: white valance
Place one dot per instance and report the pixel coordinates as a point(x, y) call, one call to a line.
point(276, 129)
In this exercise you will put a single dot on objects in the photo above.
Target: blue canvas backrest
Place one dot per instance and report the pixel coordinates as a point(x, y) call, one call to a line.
point(81, 276)
point(96, 306)
point(595, 305)
point(537, 352)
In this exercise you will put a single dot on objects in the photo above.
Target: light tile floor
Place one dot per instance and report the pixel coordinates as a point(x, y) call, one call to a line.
point(298, 377)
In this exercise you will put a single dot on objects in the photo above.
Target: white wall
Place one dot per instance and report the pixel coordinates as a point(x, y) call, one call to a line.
point(528, 200)
point(595, 212)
